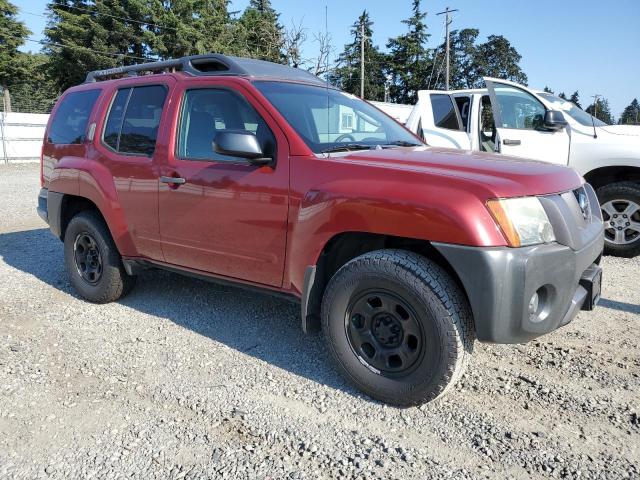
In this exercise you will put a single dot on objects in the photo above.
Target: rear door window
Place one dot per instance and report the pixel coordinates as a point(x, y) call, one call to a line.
point(444, 112)
point(69, 124)
point(134, 119)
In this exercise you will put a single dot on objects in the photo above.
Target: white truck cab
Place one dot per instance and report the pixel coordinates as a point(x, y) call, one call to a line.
point(513, 120)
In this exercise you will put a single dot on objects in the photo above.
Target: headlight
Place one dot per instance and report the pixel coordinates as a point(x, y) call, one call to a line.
point(522, 220)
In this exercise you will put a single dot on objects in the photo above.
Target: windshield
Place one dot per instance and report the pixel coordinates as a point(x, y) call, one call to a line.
point(330, 120)
point(579, 115)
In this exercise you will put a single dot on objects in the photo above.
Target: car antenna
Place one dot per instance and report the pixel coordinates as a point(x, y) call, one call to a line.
point(595, 110)
point(326, 74)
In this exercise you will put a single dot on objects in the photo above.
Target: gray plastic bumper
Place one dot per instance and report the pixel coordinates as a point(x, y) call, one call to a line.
point(501, 281)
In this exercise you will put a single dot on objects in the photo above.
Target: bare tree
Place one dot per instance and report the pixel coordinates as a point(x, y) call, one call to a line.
point(294, 38)
point(320, 64)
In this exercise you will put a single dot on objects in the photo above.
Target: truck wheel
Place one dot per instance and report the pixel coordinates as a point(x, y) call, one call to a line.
point(398, 326)
point(620, 203)
point(92, 260)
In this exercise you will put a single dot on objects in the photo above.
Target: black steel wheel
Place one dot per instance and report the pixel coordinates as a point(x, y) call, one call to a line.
point(398, 326)
point(384, 332)
point(88, 258)
point(93, 262)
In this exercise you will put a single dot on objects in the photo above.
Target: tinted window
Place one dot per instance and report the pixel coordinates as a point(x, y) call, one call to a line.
point(69, 124)
point(444, 113)
point(134, 118)
point(327, 119)
point(518, 109)
point(207, 112)
point(141, 120)
point(114, 122)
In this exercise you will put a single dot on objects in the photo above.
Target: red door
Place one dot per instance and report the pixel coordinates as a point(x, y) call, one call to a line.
point(125, 148)
point(226, 216)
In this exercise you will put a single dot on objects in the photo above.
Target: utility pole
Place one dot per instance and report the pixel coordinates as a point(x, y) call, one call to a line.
point(362, 59)
point(448, 21)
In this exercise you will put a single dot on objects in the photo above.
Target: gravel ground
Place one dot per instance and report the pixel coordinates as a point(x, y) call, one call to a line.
point(185, 379)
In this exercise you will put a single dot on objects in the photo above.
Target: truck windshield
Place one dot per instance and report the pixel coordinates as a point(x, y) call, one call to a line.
point(331, 120)
point(579, 115)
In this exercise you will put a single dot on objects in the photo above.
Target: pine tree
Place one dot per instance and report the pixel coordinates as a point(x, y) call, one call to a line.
point(259, 34)
point(575, 99)
point(548, 90)
point(601, 110)
point(85, 36)
point(562, 95)
point(463, 70)
point(12, 34)
point(35, 91)
point(347, 73)
point(189, 27)
point(631, 114)
point(498, 58)
point(408, 58)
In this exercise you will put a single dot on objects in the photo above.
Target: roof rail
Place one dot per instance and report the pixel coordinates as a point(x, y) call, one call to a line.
point(211, 64)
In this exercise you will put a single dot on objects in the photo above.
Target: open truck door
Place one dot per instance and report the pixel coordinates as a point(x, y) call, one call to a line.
point(436, 119)
point(525, 126)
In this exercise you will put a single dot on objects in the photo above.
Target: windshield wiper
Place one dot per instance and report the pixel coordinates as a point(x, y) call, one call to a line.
point(401, 143)
point(347, 147)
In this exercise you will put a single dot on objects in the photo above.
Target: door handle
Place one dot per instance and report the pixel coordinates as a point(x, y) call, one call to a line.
point(506, 141)
point(173, 180)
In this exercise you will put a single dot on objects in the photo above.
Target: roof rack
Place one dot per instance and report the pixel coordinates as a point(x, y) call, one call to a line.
point(208, 65)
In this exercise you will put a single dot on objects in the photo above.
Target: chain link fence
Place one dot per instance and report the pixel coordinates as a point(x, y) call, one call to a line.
point(23, 117)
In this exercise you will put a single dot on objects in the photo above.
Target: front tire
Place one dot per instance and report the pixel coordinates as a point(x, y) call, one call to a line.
point(93, 263)
point(398, 326)
point(620, 203)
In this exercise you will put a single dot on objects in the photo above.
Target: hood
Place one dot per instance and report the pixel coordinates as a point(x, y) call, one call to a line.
point(629, 130)
point(499, 175)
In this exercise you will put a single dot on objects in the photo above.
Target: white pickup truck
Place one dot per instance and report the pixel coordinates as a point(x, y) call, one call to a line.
point(511, 119)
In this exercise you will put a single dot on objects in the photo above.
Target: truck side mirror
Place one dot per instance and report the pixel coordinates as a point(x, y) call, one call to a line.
point(240, 143)
point(554, 121)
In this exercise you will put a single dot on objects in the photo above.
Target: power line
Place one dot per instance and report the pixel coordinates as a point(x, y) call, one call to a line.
point(93, 12)
point(64, 45)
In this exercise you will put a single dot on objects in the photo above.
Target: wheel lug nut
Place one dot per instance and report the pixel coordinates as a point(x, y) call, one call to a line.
point(619, 228)
point(628, 224)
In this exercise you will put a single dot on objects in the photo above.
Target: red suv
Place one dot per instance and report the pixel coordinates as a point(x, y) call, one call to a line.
point(238, 170)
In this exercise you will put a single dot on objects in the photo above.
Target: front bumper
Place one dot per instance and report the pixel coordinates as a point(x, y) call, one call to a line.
point(501, 281)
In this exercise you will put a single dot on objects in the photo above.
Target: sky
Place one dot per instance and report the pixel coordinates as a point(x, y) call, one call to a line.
point(585, 45)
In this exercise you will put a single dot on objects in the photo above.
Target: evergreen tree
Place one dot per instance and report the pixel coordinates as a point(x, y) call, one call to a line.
point(562, 96)
point(35, 91)
point(601, 110)
point(190, 27)
point(347, 73)
point(85, 36)
point(498, 58)
point(463, 70)
point(12, 34)
point(548, 90)
point(408, 58)
point(259, 34)
point(631, 114)
point(575, 99)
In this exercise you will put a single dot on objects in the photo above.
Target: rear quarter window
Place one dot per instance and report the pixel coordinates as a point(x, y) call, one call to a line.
point(69, 124)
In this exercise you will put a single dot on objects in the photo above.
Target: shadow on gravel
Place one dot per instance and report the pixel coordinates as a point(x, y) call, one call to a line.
point(265, 327)
point(622, 306)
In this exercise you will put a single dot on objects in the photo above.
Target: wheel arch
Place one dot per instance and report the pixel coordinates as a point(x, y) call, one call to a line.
point(599, 177)
point(345, 246)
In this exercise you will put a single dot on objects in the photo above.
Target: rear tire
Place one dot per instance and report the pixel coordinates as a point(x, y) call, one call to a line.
point(93, 263)
point(620, 203)
point(398, 326)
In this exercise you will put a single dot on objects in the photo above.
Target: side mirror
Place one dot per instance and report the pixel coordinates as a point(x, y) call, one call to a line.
point(241, 144)
point(554, 121)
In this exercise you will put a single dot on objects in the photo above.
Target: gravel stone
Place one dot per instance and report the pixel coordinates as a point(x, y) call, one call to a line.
point(185, 379)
